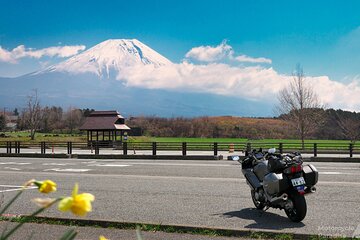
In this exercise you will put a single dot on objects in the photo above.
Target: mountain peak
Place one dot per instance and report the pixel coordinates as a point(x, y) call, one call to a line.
point(111, 55)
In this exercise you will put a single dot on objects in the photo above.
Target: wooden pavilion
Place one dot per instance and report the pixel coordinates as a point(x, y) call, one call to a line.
point(105, 127)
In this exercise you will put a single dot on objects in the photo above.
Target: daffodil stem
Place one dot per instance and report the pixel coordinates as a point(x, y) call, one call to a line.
point(69, 235)
point(40, 210)
point(11, 201)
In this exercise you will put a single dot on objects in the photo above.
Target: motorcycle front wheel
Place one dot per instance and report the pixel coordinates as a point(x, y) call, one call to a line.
point(258, 204)
point(298, 212)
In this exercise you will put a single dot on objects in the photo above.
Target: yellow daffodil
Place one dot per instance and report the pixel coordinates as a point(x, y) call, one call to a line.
point(46, 186)
point(103, 238)
point(78, 204)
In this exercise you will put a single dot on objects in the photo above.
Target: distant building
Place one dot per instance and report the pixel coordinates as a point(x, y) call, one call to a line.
point(105, 127)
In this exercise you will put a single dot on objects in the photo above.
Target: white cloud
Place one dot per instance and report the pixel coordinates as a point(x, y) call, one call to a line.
point(253, 83)
point(221, 52)
point(22, 52)
point(5, 56)
point(244, 58)
point(210, 54)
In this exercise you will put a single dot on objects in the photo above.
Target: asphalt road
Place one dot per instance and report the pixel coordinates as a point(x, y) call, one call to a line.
point(196, 193)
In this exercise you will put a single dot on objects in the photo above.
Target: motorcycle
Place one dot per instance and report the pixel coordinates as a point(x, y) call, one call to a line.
point(279, 181)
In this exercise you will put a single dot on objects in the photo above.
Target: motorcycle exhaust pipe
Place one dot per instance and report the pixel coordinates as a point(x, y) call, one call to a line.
point(311, 190)
point(283, 197)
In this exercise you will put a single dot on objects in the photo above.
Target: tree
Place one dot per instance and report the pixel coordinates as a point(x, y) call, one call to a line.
point(300, 106)
point(33, 114)
point(2, 122)
point(349, 125)
point(73, 118)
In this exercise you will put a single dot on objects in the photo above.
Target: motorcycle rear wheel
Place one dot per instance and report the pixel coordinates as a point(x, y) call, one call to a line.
point(258, 204)
point(298, 212)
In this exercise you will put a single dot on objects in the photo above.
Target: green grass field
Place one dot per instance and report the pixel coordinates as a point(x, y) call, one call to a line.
point(238, 140)
point(23, 136)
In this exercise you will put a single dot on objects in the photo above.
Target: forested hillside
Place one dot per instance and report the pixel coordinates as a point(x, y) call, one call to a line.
point(337, 124)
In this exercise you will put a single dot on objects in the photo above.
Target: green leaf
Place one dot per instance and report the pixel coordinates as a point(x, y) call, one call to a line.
point(69, 235)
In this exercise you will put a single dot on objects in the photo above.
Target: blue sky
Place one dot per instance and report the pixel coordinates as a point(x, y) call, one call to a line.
point(324, 36)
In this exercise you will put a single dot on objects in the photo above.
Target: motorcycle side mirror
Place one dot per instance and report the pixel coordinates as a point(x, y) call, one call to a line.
point(272, 150)
point(235, 158)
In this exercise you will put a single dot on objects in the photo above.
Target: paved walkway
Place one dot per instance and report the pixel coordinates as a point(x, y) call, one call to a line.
point(47, 232)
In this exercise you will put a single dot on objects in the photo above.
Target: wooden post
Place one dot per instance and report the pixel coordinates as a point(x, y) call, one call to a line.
point(97, 150)
point(351, 148)
point(248, 147)
point(17, 147)
point(184, 148)
point(281, 148)
point(69, 148)
point(215, 148)
point(97, 136)
point(315, 149)
point(125, 148)
point(154, 148)
point(9, 147)
point(43, 147)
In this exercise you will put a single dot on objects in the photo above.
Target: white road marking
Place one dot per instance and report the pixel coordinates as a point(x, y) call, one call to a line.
point(66, 170)
point(10, 168)
point(57, 164)
point(89, 162)
point(10, 186)
point(14, 163)
point(339, 168)
point(108, 165)
point(331, 173)
point(180, 164)
point(339, 183)
point(18, 188)
point(338, 173)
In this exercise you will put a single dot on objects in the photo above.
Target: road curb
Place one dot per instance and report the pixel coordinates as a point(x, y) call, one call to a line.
point(334, 159)
point(318, 159)
point(35, 155)
point(113, 156)
point(160, 157)
point(170, 228)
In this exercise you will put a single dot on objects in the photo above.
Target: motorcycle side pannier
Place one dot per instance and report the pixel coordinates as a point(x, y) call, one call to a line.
point(311, 175)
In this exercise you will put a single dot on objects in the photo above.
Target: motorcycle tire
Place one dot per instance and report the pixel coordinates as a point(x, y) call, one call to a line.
point(259, 205)
point(298, 212)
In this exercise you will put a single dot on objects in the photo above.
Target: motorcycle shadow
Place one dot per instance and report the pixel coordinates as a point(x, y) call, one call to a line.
point(263, 220)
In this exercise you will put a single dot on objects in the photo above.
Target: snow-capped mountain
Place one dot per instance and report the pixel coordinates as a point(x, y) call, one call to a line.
point(110, 56)
point(97, 78)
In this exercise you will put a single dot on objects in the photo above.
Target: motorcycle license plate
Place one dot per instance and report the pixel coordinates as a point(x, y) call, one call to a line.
point(298, 181)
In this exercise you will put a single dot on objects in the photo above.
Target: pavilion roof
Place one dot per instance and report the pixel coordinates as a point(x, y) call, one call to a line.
point(104, 120)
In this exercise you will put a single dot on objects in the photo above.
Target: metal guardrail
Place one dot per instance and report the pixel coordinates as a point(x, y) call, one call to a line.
point(183, 147)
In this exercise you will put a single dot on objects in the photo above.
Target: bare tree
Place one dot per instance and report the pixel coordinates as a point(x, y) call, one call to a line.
point(300, 106)
point(73, 118)
point(33, 114)
point(350, 127)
